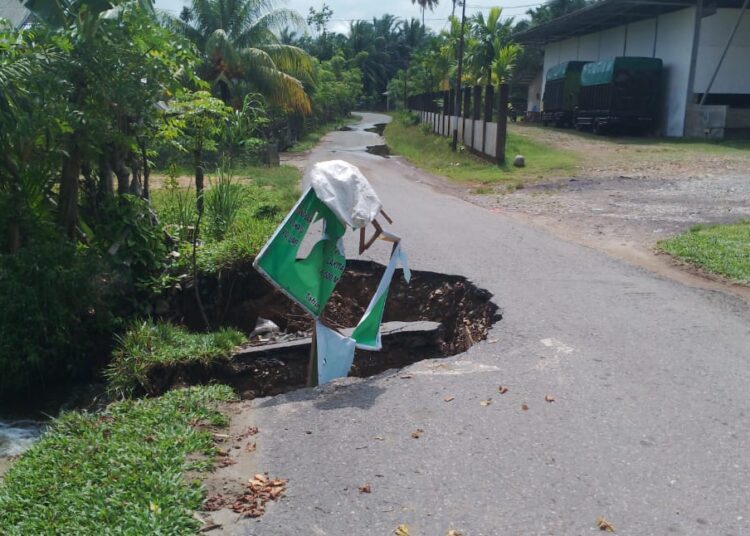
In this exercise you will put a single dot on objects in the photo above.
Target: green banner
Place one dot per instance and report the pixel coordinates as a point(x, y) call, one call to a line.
point(309, 281)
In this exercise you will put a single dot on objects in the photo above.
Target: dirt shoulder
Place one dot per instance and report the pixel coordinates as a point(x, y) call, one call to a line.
point(627, 194)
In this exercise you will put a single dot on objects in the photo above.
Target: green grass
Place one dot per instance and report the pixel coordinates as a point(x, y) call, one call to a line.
point(147, 344)
point(121, 471)
point(310, 139)
point(433, 153)
point(266, 195)
point(721, 249)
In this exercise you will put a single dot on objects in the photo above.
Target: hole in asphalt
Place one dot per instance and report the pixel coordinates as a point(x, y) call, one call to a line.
point(380, 150)
point(345, 129)
point(435, 315)
point(377, 129)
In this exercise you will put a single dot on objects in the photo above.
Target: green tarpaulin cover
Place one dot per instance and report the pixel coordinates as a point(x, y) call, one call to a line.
point(561, 70)
point(602, 72)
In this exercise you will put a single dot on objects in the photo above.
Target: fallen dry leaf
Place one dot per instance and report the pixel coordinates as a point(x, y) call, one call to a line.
point(402, 530)
point(524, 407)
point(379, 438)
point(405, 376)
point(549, 398)
point(417, 433)
point(604, 525)
point(250, 447)
point(454, 533)
point(486, 402)
point(502, 389)
point(365, 488)
point(259, 491)
point(251, 431)
point(449, 398)
point(214, 503)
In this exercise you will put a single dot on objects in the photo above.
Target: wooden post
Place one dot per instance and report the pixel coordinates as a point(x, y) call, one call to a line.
point(467, 112)
point(502, 125)
point(312, 365)
point(489, 104)
point(476, 114)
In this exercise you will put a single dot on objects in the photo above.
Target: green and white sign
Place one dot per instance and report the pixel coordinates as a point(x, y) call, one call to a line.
point(309, 281)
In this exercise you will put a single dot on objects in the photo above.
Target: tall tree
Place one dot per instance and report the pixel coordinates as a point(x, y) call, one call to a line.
point(242, 50)
point(489, 36)
point(424, 4)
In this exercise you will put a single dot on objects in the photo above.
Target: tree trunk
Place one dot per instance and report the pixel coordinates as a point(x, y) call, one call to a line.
point(106, 178)
point(68, 199)
point(146, 169)
point(135, 183)
point(199, 181)
point(122, 172)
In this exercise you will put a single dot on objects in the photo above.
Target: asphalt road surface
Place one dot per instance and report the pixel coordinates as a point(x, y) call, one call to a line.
point(649, 427)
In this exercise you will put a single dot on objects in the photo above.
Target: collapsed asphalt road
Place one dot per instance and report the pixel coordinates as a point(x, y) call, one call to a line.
point(649, 426)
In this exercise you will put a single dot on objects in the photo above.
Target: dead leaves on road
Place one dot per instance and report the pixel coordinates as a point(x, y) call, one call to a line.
point(402, 530)
point(486, 402)
point(549, 398)
point(449, 398)
point(365, 488)
point(259, 491)
point(502, 389)
point(604, 525)
point(416, 434)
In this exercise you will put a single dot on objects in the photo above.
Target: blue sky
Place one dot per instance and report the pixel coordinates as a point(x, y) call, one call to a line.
point(346, 10)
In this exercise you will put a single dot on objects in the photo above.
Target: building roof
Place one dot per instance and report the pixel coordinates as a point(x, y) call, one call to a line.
point(14, 11)
point(603, 15)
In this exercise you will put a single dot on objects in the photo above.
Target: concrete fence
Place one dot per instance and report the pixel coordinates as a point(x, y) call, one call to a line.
point(478, 120)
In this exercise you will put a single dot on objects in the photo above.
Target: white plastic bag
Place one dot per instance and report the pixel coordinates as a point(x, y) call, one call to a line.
point(346, 191)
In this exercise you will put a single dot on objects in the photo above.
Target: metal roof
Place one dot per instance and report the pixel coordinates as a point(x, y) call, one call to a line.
point(606, 14)
point(14, 11)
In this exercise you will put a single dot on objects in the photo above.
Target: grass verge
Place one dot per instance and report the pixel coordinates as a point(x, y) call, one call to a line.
point(310, 139)
point(265, 197)
point(120, 471)
point(433, 153)
point(147, 344)
point(721, 249)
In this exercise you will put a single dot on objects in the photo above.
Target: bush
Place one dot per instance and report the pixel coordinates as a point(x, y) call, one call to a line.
point(53, 315)
point(147, 344)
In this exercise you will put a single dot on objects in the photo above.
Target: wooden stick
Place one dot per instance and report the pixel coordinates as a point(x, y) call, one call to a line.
point(312, 365)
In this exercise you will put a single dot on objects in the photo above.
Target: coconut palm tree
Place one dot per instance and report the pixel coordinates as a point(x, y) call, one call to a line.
point(241, 50)
point(424, 4)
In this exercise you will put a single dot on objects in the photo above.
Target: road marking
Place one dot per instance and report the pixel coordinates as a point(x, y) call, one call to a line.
point(456, 368)
point(560, 349)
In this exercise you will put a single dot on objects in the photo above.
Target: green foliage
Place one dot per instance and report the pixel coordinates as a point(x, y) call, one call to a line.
point(223, 201)
point(721, 249)
point(53, 312)
point(147, 344)
point(120, 471)
point(133, 240)
point(266, 196)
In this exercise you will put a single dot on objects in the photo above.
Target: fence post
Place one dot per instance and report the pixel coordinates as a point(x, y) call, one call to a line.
point(467, 112)
point(446, 111)
point(489, 101)
point(476, 115)
point(502, 124)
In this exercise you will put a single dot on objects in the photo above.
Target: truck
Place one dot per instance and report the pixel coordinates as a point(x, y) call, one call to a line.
point(619, 94)
point(563, 82)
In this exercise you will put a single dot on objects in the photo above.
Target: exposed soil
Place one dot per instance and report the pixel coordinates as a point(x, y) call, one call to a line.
point(238, 298)
point(380, 150)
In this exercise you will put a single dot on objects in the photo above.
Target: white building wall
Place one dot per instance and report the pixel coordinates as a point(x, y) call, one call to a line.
point(734, 75)
point(588, 47)
point(674, 42)
point(612, 43)
point(641, 38)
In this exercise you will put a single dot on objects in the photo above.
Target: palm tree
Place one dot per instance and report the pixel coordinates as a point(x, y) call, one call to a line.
point(242, 51)
point(489, 36)
point(424, 4)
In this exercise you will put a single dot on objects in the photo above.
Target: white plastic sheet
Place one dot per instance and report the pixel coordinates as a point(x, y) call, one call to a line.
point(335, 354)
point(345, 190)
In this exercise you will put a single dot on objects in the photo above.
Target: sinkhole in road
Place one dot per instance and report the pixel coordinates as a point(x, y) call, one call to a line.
point(380, 150)
point(435, 315)
point(378, 128)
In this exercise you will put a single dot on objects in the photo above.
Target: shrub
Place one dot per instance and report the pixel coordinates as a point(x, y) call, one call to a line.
point(53, 315)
